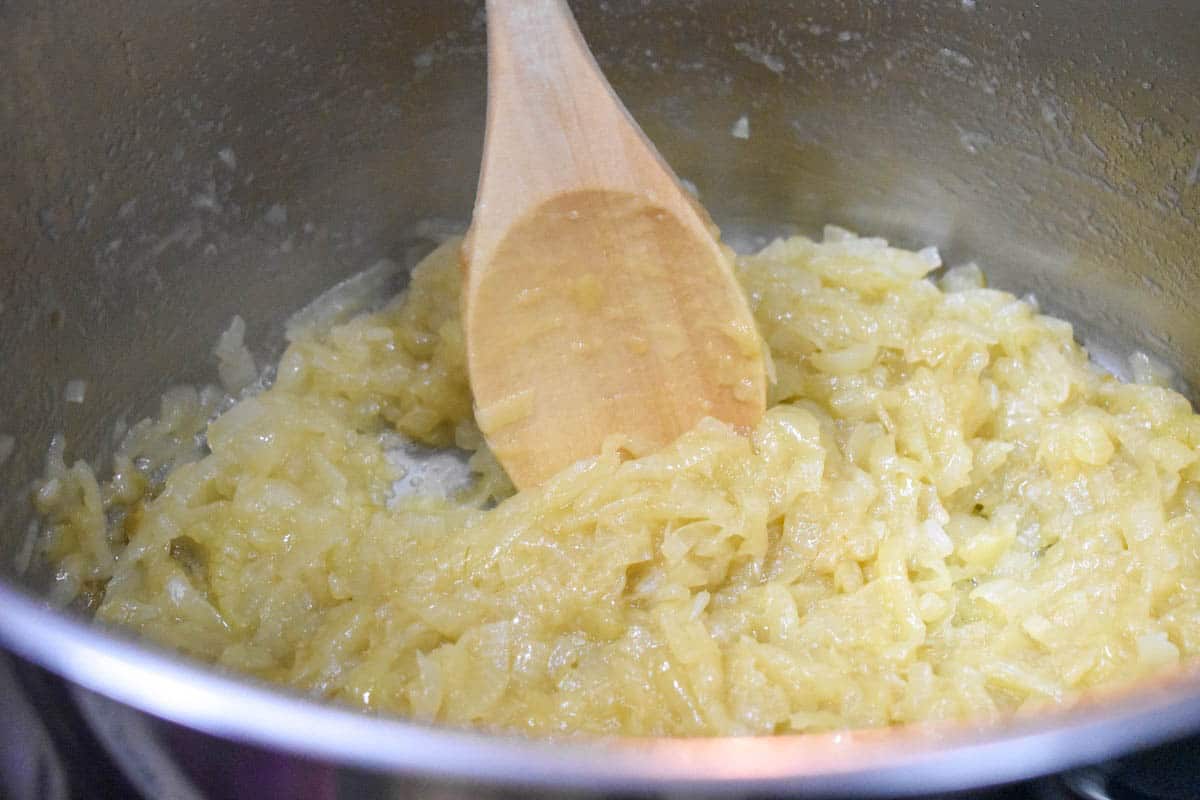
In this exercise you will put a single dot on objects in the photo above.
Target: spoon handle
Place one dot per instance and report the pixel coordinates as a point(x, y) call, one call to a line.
point(554, 123)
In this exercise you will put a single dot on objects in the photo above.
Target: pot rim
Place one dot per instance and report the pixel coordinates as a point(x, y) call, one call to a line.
point(899, 760)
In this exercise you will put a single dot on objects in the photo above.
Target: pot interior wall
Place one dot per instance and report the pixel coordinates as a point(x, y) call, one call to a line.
point(166, 166)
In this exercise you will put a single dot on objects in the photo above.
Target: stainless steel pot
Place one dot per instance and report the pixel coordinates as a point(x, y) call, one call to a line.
point(166, 165)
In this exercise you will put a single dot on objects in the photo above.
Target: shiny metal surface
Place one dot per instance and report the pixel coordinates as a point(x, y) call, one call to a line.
point(164, 166)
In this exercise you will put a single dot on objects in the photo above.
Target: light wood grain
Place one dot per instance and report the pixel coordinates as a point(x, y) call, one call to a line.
point(597, 299)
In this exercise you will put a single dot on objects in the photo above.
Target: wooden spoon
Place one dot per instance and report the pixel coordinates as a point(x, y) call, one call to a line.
point(597, 300)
